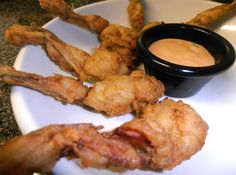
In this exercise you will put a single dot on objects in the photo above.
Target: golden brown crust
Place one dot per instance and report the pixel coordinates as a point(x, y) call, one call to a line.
point(166, 134)
point(67, 57)
point(118, 95)
point(105, 61)
point(59, 8)
point(39, 150)
point(172, 131)
point(119, 39)
point(209, 16)
point(136, 15)
point(64, 89)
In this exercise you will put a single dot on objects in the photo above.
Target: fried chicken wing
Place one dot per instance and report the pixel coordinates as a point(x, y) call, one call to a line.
point(209, 16)
point(95, 67)
point(165, 135)
point(123, 94)
point(115, 95)
point(59, 8)
point(136, 15)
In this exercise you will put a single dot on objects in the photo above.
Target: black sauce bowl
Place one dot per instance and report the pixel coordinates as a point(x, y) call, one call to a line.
point(184, 81)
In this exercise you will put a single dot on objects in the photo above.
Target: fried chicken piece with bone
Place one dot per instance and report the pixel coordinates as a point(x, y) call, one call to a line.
point(205, 18)
point(166, 134)
point(124, 93)
point(62, 88)
point(39, 150)
point(114, 96)
point(170, 132)
point(59, 8)
point(115, 38)
point(120, 39)
point(101, 64)
point(209, 16)
point(115, 35)
point(136, 15)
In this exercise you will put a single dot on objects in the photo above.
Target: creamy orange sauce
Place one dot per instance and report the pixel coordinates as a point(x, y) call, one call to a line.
point(182, 52)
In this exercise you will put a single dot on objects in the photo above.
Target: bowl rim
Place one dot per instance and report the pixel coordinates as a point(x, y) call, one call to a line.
point(181, 70)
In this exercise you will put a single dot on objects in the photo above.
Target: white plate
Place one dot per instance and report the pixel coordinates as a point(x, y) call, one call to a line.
point(216, 102)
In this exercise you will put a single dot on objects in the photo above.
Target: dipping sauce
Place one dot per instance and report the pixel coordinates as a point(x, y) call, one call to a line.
point(182, 52)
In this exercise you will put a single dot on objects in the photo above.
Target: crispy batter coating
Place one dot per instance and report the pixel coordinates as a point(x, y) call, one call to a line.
point(169, 131)
point(136, 15)
point(64, 89)
point(114, 56)
point(209, 16)
point(204, 18)
point(115, 95)
point(104, 63)
point(121, 40)
point(165, 135)
point(67, 57)
point(114, 38)
point(96, 67)
point(39, 150)
point(59, 8)
point(122, 94)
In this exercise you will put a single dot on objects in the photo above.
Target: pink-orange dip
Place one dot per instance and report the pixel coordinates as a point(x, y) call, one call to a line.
point(182, 52)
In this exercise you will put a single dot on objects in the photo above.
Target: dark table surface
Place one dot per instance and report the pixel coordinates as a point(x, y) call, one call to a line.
point(26, 12)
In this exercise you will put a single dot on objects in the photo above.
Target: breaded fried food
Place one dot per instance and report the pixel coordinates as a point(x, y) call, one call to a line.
point(102, 63)
point(116, 95)
point(62, 88)
point(39, 150)
point(204, 18)
point(59, 8)
point(136, 15)
point(120, 39)
point(170, 132)
point(114, 38)
point(209, 16)
point(67, 57)
point(166, 134)
point(123, 94)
